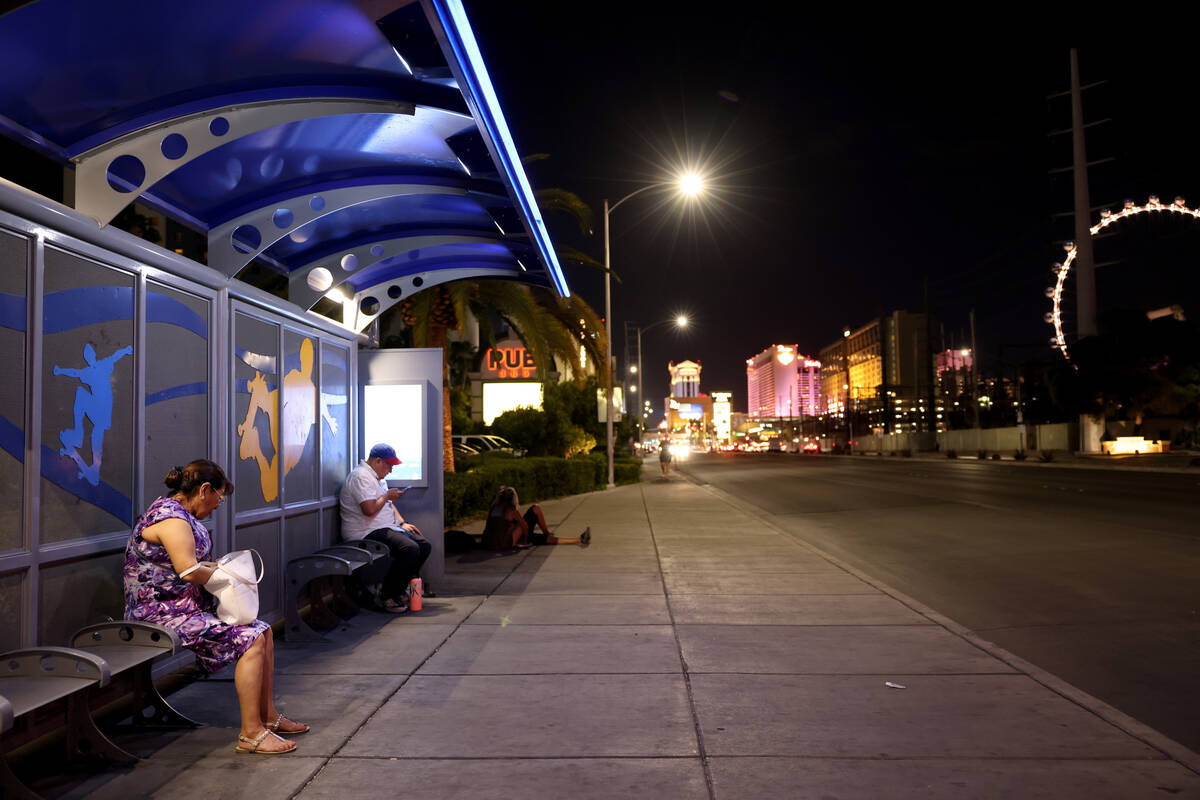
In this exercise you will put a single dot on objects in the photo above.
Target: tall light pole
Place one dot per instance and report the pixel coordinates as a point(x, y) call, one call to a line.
point(690, 185)
point(680, 321)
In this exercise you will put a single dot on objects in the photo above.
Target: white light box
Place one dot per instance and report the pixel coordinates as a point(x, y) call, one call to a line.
point(394, 413)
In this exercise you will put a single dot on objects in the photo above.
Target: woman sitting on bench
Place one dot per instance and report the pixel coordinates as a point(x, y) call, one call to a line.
point(169, 540)
point(506, 528)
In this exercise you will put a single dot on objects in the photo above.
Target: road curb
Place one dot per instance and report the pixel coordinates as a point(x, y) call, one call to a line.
point(1168, 747)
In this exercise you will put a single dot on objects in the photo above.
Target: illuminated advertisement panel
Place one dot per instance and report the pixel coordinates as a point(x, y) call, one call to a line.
point(691, 411)
point(395, 413)
point(602, 404)
point(722, 415)
point(499, 397)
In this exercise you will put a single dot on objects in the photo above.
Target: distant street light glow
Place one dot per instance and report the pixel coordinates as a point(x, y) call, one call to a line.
point(681, 321)
point(691, 184)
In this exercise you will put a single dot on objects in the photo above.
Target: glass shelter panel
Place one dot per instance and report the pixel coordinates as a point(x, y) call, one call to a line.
point(177, 390)
point(300, 414)
point(14, 261)
point(303, 535)
point(88, 394)
point(256, 412)
point(335, 417)
point(12, 610)
point(78, 593)
point(264, 537)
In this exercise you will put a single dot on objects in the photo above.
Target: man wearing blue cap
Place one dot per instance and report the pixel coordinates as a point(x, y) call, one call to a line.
point(368, 513)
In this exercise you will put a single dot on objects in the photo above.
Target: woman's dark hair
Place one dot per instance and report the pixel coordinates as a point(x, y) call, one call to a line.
point(188, 480)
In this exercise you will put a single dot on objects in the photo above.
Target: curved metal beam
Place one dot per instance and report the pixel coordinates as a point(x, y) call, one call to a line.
point(110, 176)
point(257, 230)
point(356, 319)
point(306, 287)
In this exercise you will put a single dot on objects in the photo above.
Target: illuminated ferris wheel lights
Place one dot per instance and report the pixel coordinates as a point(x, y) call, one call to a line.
point(1130, 209)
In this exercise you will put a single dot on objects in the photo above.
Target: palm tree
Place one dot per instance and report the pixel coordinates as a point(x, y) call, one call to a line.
point(551, 328)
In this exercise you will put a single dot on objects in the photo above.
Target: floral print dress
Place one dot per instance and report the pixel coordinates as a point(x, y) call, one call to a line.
point(154, 592)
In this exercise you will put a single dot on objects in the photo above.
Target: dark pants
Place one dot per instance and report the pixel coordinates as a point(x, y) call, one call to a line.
point(531, 520)
point(409, 552)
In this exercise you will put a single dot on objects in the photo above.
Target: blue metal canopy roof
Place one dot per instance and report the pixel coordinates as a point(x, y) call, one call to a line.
point(354, 145)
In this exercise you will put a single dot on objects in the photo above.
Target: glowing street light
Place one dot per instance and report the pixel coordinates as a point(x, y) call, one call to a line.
point(681, 321)
point(689, 184)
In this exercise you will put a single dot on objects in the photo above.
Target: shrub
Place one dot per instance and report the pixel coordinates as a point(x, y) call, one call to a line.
point(1047, 455)
point(578, 441)
point(995, 456)
point(1019, 455)
point(535, 478)
point(982, 455)
point(906, 452)
point(951, 454)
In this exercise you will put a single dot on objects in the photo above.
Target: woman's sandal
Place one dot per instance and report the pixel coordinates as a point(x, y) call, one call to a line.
point(273, 727)
point(586, 536)
point(258, 740)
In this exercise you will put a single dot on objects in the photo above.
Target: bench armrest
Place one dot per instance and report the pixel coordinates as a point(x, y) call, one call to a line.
point(356, 555)
point(376, 549)
point(54, 662)
point(309, 567)
point(130, 632)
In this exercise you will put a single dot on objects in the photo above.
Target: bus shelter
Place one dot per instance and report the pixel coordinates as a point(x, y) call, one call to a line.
point(355, 148)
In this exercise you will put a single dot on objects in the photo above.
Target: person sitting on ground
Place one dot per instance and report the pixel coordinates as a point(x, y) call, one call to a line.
point(368, 512)
point(506, 528)
point(168, 541)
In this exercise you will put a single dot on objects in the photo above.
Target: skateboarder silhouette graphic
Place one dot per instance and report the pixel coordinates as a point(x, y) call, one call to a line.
point(93, 403)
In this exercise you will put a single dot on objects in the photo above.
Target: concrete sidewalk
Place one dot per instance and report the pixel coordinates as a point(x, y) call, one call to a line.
point(689, 652)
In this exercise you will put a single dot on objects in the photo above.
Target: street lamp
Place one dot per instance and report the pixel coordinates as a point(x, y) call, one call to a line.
point(690, 184)
point(680, 321)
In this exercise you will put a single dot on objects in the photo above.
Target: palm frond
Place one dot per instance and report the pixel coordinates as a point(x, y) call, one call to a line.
point(567, 253)
point(569, 203)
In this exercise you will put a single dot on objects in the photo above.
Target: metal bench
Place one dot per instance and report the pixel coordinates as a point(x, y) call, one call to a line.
point(129, 647)
point(37, 683)
point(365, 558)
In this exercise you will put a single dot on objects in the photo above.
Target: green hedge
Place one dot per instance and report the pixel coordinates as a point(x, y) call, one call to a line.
point(471, 491)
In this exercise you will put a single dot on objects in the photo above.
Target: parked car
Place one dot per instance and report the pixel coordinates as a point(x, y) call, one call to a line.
point(463, 450)
point(812, 447)
point(486, 442)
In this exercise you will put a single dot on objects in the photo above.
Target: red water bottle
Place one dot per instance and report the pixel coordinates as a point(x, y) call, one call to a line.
point(414, 594)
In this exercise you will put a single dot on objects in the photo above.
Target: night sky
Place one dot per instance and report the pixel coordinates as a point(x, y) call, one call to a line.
point(848, 166)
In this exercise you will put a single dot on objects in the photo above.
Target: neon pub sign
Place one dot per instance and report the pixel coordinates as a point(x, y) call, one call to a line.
point(509, 362)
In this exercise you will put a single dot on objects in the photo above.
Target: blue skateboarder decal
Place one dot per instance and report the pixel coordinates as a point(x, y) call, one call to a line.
point(95, 403)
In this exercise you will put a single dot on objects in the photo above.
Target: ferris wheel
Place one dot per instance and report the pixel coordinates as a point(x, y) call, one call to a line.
point(1107, 217)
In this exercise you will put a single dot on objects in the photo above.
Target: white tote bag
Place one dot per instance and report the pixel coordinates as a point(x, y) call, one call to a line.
point(235, 585)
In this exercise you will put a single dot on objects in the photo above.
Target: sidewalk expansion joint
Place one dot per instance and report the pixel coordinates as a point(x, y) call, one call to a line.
point(683, 665)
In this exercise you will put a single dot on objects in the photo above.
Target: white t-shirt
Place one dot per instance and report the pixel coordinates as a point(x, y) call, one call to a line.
point(362, 485)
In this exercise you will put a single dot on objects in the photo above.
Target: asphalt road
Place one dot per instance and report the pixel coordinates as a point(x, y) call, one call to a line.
point(1091, 574)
